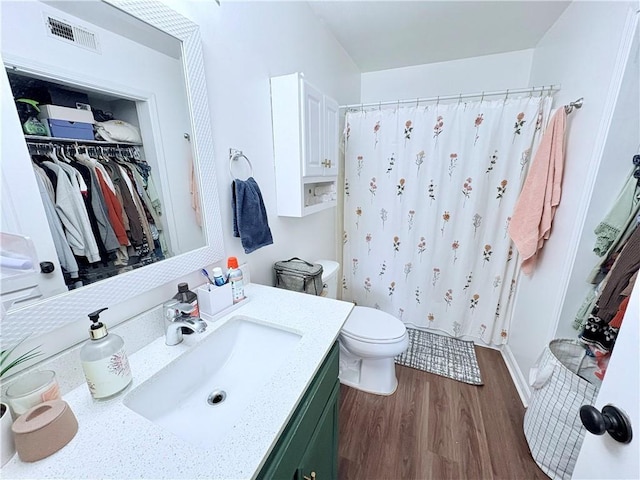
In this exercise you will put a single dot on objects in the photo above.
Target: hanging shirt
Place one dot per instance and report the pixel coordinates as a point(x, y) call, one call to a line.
point(73, 215)
point(134, 229)
point(114, 209)
point(152, 207)
point(626, 265)
point(75, 177)
point(63, 251)
point(98, 205)
point(138, 204)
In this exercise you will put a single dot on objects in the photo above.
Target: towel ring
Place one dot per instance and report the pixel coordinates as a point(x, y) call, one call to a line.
point(235, 155)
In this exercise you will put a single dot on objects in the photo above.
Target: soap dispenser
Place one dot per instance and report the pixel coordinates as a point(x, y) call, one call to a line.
point(104, 361)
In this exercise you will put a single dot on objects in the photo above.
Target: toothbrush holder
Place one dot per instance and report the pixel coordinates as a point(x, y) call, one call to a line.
point(214, 300)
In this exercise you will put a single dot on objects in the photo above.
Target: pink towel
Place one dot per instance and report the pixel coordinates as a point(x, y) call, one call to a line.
point(533, 214)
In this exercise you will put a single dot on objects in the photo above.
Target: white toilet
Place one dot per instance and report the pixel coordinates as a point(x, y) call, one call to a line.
point(369, 341)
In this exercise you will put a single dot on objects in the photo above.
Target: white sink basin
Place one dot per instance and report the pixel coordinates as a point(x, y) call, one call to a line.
point(202, 394)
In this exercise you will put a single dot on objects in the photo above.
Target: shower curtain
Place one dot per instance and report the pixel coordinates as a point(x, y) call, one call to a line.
point(429, 191)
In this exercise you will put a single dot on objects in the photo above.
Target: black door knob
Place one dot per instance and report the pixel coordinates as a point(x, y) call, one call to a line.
point(47, 267)
point(612, 420)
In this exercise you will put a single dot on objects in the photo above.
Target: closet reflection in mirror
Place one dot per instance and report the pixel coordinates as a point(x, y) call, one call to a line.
point(104, 152)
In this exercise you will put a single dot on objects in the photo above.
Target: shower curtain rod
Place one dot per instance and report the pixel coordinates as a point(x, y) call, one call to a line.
point(506, 93)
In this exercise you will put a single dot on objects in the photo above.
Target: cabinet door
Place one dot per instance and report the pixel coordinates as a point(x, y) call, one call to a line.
point(294, 454)
point(331, 136)
point(320, 460)
point(22, 209)
point(312, 126)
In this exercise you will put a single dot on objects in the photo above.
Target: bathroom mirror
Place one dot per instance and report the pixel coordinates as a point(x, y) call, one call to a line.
point(172, 34)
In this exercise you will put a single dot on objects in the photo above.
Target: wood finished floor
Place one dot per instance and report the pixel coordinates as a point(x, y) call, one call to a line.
point(437, 428)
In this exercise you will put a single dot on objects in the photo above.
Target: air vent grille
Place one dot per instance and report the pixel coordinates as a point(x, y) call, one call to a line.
point(63, 30)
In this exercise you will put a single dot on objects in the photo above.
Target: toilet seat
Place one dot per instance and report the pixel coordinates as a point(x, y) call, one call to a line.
point(370, 325)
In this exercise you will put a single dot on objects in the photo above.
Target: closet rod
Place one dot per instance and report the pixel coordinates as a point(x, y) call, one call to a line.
point(41, 139)
point(506, 93)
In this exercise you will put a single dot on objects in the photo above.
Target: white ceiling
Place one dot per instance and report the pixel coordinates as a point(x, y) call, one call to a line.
point(379, 35)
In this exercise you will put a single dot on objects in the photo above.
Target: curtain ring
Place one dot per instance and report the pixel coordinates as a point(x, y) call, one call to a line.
point(460, 98)
point(506, 96)
point(417, 101)
point(438, 101)
point(541, 91)
point(482, 98)
point(379, 106)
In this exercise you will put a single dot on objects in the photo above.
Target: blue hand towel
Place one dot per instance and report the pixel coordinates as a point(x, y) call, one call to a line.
point(249, 215)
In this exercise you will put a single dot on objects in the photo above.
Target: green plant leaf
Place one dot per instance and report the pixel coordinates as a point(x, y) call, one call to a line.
point(6, 365)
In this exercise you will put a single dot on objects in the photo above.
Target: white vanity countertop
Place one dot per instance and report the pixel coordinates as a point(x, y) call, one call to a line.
point(115, 442)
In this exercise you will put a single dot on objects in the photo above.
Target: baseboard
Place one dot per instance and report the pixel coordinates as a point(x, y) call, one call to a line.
point(517, 376)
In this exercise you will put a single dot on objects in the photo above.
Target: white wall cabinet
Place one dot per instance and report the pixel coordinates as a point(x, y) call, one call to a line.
point(305, 139)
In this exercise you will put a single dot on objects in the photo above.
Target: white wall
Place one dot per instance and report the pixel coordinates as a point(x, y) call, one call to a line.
point(244, 44)
point(579, 51)
point(621, 144)
point(469, 75)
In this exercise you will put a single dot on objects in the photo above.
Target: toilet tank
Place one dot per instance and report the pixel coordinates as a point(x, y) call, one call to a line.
point(329, 277)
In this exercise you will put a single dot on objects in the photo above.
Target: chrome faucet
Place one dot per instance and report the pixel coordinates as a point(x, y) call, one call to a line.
point(179, 318)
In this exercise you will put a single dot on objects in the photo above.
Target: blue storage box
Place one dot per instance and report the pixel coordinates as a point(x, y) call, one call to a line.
point(66, 129)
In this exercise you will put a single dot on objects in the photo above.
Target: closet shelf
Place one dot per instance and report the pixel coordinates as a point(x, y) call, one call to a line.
point(42, 138)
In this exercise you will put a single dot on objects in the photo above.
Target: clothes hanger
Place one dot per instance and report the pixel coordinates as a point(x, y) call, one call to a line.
point(38, 159)
point(62, 156)
point(51, 154)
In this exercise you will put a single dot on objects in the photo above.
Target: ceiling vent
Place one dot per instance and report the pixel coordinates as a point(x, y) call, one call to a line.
point(67, 32)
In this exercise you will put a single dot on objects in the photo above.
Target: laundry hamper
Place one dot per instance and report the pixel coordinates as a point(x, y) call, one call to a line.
point(552, 424)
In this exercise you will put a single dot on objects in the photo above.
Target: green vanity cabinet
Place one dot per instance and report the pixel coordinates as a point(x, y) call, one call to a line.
point(308, 447)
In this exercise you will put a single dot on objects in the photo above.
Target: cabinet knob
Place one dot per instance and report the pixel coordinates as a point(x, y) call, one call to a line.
point(312, 477)
point(47, 267)
point(326, 163)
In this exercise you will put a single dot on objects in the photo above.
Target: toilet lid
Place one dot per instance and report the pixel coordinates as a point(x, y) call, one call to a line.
point(372, 325)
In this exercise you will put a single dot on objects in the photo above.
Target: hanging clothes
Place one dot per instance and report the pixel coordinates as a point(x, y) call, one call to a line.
point(626, 265)
point(51, 194)
point(98, 204)
point(73, 214)
point(122, 225)
point(150, 206)
point(133, 225)
point(627, 205)
point(89, 202)
point(114, 209)
point(611, 235)
point(60, 243)
point(147, 237)
point(624, 211)
point(601, 327)
point(72, 171)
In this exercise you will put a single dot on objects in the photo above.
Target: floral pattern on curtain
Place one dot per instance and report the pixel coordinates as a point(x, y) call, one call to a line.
point(429, 191)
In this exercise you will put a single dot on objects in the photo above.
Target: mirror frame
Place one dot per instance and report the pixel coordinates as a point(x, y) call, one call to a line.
point(55, 312)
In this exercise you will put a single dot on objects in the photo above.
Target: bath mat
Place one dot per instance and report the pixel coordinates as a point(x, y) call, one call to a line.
point(445, 356)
